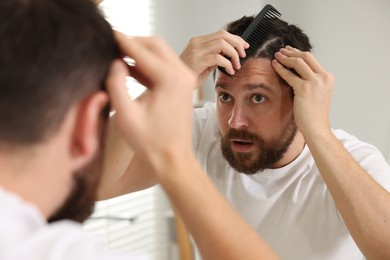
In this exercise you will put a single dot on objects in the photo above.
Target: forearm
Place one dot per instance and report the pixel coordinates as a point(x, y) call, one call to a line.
point(123, 170)
point(116, 160)
point(361, 201)
point(217, 229)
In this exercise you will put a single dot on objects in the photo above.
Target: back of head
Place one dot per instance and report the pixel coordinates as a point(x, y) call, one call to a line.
point(282, 34)
point(53, 53)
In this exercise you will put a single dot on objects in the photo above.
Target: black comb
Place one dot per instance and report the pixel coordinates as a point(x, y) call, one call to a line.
point(257, 30)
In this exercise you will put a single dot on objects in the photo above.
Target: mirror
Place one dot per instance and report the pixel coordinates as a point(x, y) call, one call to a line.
point(352, 48)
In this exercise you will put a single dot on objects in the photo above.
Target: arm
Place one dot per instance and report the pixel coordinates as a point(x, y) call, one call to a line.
point(124, 171)
point(165, 142)
point(363, 203)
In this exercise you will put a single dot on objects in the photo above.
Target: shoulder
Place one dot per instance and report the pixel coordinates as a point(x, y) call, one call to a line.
point(205, 111)
point(352, 143)
point(64, 240)
point(367, 155)
point(204, 120)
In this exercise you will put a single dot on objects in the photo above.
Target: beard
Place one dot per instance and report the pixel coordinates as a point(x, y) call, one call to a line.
point(267, 153)
point(81, 201)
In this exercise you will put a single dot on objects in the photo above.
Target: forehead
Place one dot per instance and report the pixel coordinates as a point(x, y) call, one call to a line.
point(255, 71)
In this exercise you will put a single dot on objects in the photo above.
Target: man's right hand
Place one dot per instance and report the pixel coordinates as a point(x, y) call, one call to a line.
point(159, 123)
point(204, 53)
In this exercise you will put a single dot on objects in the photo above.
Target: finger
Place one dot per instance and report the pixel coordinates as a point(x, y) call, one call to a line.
point(232, 46)
point(234, 40)
point(134, 73)
point(291, 79)
point(139, 77)
point(128, 112)
point(307, 56)
point(211, 61)
point(222, 47)
point(296, 63)
point(149, 66)
point(128, 46)
point(116, 86)
point(120, 39)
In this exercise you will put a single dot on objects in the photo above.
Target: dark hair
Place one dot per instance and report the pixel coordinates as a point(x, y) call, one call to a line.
point(282, 34)
point(53, 53)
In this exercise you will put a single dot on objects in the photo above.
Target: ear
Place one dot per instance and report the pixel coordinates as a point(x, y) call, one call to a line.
point(86, 132)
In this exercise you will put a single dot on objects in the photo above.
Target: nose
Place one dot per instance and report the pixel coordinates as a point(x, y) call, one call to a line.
point(238, 118)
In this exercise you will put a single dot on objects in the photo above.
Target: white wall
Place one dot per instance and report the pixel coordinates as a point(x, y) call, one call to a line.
point(351, 39)
point(179, 20)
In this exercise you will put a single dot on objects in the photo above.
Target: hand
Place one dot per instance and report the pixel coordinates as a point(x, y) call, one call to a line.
point(159, 123)
point(313, 89)
point(202, 54)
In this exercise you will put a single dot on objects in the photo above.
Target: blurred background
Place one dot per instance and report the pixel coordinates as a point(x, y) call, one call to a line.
point(351, 39)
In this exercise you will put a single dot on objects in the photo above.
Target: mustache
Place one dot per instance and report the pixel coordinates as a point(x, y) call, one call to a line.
point(240, 134)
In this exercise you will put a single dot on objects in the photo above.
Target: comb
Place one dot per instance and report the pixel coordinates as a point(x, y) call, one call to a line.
point(257, 30)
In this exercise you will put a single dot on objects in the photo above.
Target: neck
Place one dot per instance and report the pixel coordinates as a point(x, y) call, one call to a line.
point(33, 173)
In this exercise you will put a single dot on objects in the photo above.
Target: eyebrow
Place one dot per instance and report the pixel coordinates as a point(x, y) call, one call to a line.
point(249, 86)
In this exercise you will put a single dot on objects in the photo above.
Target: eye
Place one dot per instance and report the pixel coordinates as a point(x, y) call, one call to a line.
point(257, 99)
point(223, 97)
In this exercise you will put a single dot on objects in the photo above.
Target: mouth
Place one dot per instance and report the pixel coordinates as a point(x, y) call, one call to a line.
point(240, 145)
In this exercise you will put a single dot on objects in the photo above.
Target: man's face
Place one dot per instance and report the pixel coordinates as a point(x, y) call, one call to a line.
point(80, 202)
point(255, 117)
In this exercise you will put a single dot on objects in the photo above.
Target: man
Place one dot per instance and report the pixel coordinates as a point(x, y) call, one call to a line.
point(56, 58)
point(312, 192)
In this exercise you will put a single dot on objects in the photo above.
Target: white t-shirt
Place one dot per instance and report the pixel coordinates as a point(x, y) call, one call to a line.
point(25, 234)
point(290, 207)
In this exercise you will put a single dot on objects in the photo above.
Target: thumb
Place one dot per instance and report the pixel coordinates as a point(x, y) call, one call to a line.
point(128, 112)
point(116, 85)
